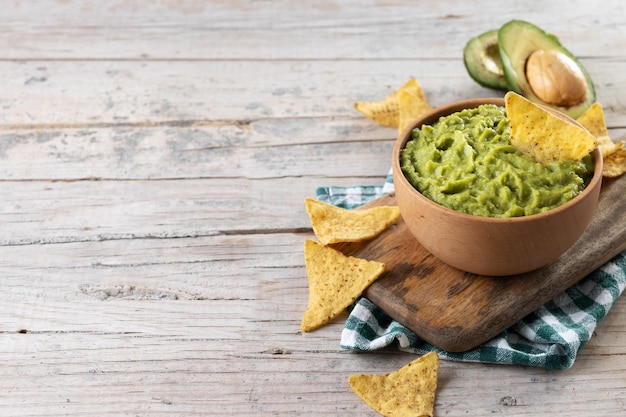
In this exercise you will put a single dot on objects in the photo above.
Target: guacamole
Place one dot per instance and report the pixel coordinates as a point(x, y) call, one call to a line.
point(465, 162)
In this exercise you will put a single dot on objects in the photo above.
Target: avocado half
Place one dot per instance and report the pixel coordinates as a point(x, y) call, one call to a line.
point(481, 57)
point(537, 66)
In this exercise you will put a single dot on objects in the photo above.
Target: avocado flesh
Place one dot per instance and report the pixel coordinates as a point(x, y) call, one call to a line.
point(517, 41)
point(481, 57)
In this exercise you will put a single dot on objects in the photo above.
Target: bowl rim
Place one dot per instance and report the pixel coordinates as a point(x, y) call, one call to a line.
point(453, 107)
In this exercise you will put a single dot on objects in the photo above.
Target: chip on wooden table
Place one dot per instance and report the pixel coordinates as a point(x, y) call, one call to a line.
point(407, 392)
point(387, 111)
point(335, 282)
point(410, 107)
point(332, 224)
point(593, 120)
point(544, 136)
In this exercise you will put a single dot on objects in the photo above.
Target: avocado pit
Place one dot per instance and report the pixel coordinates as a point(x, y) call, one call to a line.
point(555, 78)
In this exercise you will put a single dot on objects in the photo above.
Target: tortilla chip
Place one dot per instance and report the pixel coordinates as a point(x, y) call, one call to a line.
point(383, 112)
point(593, 120)
point(387, 111)
point(333, 224)
point(543, 135)
point(335, 282)
point(615, 164)
point(607, 146)
point(410, 107)
point(407, 392)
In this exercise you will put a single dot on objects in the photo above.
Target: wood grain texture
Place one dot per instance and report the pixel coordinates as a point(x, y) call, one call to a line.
point(286, 30)
point(154, 159)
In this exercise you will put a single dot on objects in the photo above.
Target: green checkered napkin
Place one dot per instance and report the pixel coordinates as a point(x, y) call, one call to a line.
point(551, 337)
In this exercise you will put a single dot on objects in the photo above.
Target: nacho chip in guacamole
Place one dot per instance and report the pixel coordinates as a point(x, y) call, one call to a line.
point(545, 136)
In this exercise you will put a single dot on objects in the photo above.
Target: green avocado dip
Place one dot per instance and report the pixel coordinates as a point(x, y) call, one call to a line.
point(465, 162)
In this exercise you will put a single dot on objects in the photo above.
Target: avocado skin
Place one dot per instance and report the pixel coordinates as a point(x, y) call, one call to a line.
point(518, 39)
point(482, 61)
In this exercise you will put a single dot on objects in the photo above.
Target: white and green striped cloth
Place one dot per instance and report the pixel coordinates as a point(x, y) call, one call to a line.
point(551, 337)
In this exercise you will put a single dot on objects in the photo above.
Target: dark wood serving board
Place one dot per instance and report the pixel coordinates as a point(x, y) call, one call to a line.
point(457, 311)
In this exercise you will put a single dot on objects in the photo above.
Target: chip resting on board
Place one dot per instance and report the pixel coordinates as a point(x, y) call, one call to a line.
point(613, 153)
point(593, 120)
point(543, 135)
point(335, 282)
point(332, 224)
point(615, 164)
point(387, 111)
point(407, 392)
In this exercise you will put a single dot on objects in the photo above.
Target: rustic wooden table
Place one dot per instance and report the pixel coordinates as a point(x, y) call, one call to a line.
point(154, 158)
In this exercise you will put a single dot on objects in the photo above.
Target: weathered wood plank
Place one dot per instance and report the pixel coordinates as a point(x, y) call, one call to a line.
point(179, 287)
point(312, 147)
point(196, 152)
point(192, 382)
point(127, 354)
point(230, 95)
point(39, 212)
point(287, 30)
point(135, 356)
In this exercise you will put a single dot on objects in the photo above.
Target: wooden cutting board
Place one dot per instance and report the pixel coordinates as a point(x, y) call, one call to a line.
point(457, 311)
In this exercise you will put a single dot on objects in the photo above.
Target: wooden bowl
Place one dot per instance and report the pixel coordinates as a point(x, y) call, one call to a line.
point(485, 245)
